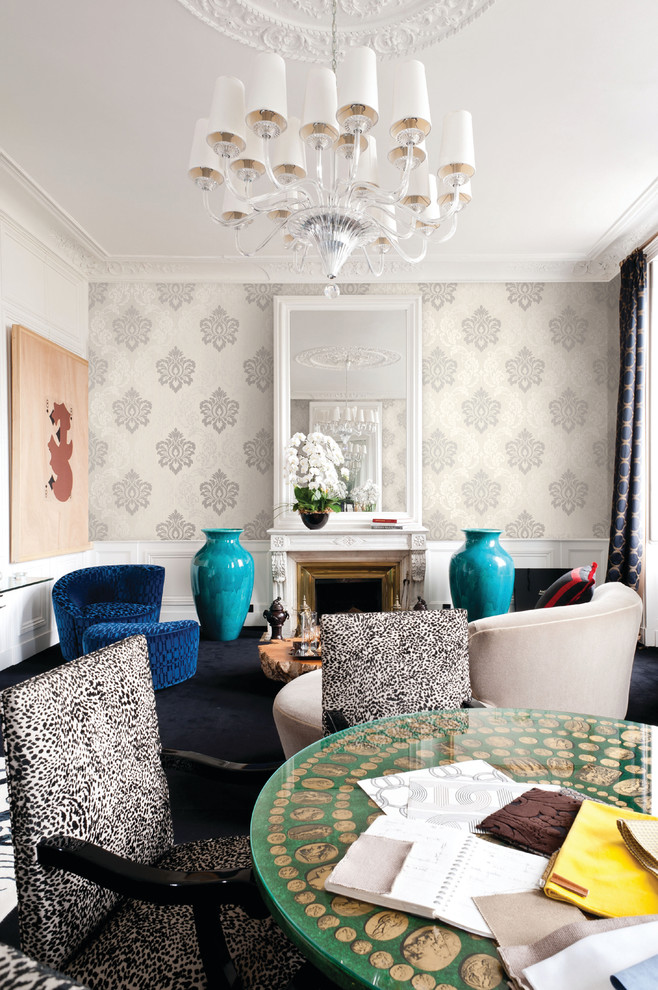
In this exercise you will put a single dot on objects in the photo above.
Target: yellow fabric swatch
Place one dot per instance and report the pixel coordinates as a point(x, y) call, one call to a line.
point(595, 857)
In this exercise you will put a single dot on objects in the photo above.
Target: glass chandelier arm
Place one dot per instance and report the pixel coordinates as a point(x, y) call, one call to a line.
point(393, 231)
point(449, 232)
point(318, 168)
point(376, 271)
point(412, 259)
point(300, 258)
point(266, 199)
point(356, 154)
point(276, 199)
point(217, 219)
point(370, 193)
point(403, 187)
point(455, 206)
point(359, 189)
point(249, 254)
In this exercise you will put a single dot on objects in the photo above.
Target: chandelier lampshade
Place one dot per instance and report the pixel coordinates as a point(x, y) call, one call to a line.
point(204, 165)
point(457, 153)
point(267, 102)
point(227, 127)
point(315, 179)
point(411, 102)
point(319, 128)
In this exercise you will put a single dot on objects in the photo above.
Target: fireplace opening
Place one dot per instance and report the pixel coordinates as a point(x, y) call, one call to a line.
point(338, 586)
point(348, 594)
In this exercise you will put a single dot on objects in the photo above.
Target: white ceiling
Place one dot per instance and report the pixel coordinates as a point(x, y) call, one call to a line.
point(99, 103)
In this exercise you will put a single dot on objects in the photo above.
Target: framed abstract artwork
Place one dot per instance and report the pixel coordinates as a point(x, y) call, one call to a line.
point(49, 448)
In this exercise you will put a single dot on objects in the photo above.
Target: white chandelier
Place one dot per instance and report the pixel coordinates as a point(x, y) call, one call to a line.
point(333, 203)
point(348, 423)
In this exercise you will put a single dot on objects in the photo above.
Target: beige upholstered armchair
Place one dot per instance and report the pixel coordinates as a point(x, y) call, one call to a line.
point(571, 658)
point(576, 658)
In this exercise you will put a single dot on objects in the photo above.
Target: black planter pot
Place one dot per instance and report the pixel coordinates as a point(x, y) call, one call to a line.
point(314, 520)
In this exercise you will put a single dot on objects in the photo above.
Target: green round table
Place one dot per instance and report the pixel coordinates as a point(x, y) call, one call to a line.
point(312, 808)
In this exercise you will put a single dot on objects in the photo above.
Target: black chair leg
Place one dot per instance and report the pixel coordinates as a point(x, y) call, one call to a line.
point(212, 946)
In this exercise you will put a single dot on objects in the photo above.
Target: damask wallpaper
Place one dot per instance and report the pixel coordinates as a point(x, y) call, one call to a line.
point(519, 394)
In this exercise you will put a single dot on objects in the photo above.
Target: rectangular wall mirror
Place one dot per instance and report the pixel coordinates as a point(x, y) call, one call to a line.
point(351, 367)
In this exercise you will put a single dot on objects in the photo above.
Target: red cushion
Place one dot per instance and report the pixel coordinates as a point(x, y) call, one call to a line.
point(574, 587)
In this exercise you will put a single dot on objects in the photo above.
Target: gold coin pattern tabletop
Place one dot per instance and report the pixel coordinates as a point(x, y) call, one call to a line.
point(312, 808)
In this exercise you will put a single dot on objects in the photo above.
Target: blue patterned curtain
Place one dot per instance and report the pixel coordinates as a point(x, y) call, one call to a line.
point(627, 522)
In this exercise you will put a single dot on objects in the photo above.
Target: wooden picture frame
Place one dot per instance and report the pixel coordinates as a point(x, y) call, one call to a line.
point(49, 448)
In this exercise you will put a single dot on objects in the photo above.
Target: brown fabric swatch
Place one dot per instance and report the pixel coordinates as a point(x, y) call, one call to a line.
point(537, 821)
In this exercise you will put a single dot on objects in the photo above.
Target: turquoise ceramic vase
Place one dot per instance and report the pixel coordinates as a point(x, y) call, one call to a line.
point(481, 575)
point(222, 574)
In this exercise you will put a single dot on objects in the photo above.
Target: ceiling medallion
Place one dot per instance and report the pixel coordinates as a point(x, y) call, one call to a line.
point(392, 28)
point(336, 358)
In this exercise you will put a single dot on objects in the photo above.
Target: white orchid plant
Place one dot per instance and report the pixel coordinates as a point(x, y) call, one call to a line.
point(365, 495)
point(313, 466)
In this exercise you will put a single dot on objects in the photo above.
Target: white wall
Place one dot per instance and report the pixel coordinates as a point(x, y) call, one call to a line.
point(41, 291)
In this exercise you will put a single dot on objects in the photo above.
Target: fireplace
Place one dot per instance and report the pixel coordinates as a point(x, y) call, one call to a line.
point(378, 566)
point(338, 586)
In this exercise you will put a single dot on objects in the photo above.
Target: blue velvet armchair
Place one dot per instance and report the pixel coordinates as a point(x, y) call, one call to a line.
point(113, 593)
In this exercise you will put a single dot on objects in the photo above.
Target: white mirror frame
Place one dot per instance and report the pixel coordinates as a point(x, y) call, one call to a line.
point(411, 308)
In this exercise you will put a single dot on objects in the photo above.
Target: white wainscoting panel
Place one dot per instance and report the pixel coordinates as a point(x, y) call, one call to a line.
point(52, 295)
point(27, 624)
point(22, 273)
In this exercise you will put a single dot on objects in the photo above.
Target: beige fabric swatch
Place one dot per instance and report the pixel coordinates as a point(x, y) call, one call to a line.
point(516, 958)
point(525, 917)
point(376, 866)
point(642, 840)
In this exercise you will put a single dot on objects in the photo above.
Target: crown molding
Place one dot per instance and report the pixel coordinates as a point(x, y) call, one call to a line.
point(635, 226)
point(456, 268)
point(84, 254)
point(65, 229)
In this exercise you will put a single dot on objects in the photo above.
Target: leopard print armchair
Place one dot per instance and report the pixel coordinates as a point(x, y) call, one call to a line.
point(83, 759)
point(392, 663)
point(19, 972)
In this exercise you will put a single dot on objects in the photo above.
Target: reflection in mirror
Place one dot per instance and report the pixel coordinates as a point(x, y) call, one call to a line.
point(350, 368)
point(357, 429)
point(350, 364)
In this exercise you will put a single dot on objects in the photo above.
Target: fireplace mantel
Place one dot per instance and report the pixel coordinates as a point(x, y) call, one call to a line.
point(358, 543)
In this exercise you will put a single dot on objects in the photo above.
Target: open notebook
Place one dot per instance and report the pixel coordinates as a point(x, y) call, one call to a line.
point(432, 871)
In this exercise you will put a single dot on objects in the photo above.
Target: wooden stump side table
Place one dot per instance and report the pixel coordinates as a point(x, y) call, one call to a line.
point(277, 663)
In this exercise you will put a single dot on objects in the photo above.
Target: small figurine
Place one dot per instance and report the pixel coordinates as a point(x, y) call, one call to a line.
point(421, 605)
point(276, 615)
